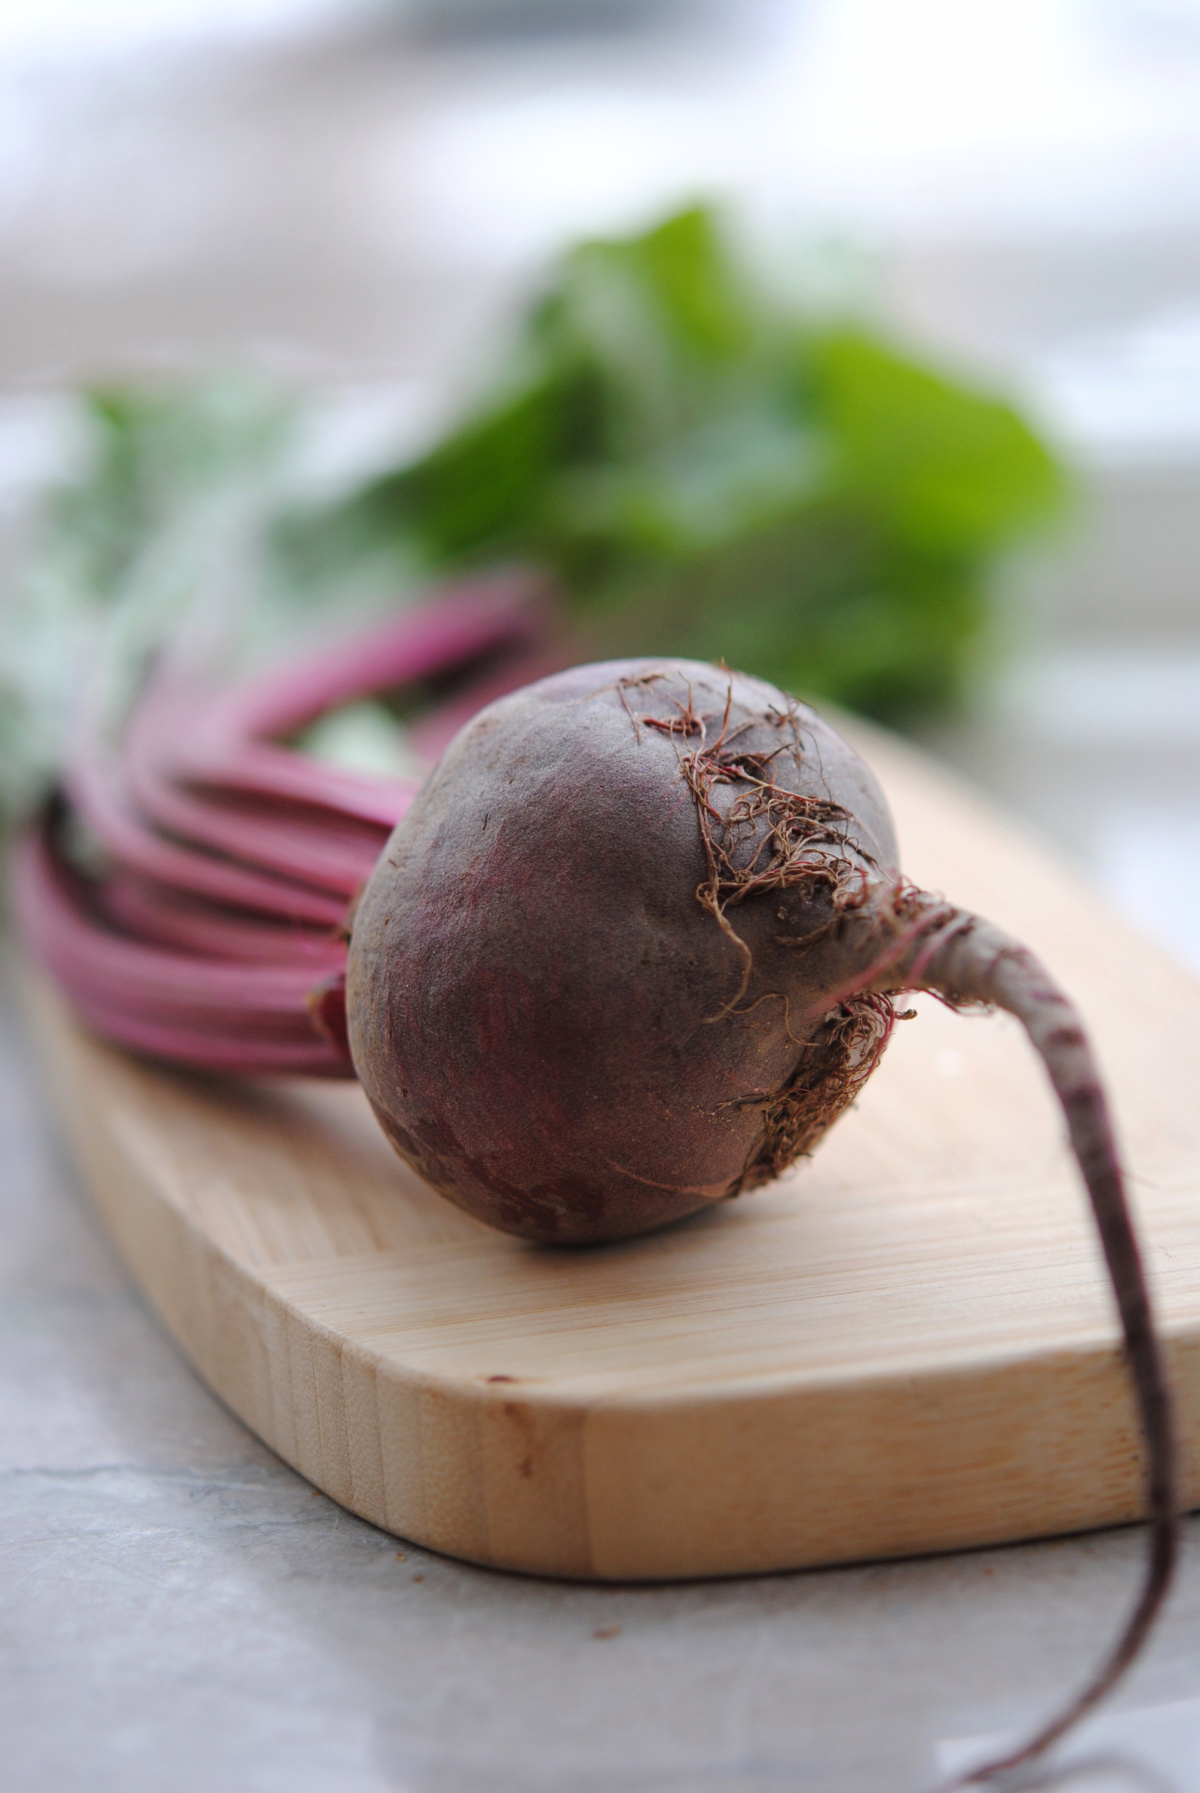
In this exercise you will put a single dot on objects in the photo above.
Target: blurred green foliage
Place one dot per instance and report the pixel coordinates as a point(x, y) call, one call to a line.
point(160, 511)
point(709, 473)
point(706, 470)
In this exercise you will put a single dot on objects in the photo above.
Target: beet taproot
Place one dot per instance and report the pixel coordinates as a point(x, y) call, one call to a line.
point(632, 951)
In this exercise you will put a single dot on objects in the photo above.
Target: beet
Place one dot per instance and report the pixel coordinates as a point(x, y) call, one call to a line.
point(633, 949)
point(549, 1023)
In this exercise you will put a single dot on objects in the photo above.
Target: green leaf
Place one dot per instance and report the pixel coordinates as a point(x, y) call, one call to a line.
point(704, 470)
point(482, 488)
point(953, 470)
point(709, 475)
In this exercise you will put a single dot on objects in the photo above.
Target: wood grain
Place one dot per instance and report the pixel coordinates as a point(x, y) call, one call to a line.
point(906, 1346)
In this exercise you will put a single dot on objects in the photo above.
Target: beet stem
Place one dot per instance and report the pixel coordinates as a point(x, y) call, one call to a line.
point(973, 962)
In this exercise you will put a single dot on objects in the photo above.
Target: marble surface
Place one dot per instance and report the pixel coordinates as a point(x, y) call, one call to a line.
point(179, 1609)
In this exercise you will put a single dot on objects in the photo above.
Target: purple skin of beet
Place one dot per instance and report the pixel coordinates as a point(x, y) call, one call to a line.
point(548, 1023)
point(632, 951)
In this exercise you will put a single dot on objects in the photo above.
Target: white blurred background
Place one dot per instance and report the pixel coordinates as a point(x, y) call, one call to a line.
point(356, 195)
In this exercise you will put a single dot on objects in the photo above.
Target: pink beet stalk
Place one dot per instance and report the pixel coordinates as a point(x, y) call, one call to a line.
point(214, 1014)
point(212, 934)
point(100, 798)
point(464, 626)
point(160, 916)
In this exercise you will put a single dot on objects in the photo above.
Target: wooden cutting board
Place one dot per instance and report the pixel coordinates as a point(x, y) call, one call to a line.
point(906, 1346)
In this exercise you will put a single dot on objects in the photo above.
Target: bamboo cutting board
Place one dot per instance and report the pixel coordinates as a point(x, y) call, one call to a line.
point(906, 1346)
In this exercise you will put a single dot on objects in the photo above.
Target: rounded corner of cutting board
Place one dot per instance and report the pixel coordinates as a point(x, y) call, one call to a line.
point(907, 1347)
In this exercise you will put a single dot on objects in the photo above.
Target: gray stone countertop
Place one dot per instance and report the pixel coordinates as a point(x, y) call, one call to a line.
point(179, 1610)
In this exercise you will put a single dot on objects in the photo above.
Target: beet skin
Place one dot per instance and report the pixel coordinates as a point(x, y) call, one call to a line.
point(557, 1021)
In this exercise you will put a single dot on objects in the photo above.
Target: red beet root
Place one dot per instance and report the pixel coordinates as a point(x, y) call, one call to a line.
point(633, 949)
point(549, 1022)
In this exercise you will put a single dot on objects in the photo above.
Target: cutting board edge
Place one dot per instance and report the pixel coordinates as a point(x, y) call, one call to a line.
point(594, 1487)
